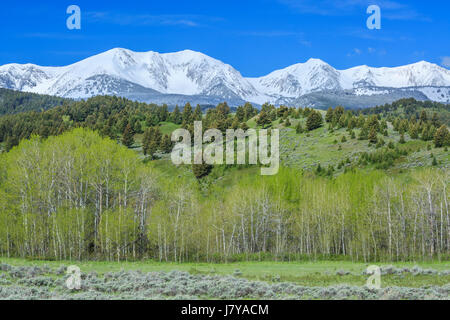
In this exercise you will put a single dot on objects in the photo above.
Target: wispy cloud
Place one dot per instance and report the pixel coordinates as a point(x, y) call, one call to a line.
point(277, 34)
point(52, 36)
point(391, 10)
point(270, 34)
point(128, 19)
point(445, 61)
point(380, 52)
point(355, 52)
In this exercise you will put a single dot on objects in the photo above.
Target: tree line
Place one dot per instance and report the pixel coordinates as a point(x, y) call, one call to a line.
point(81, 196)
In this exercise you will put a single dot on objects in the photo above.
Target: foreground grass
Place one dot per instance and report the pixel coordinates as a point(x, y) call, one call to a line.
point(313, 274)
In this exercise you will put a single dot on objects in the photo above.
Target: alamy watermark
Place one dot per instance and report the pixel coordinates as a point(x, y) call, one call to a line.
point(74, 20)
point(374, 21)
point(236, 143)
point(73, 282)
point(374, 281)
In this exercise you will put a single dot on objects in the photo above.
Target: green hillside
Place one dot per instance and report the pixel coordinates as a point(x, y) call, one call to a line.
point(15, 101)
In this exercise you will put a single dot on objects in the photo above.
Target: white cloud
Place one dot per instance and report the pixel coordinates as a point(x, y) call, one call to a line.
point(127, 19)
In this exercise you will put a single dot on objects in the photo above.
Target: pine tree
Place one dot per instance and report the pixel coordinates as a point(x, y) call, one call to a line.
point(414, 131)
point(435, 120)
point(314, 121)
point(434, 161)
point(442, 137)
point(287, 123)
point(329, 115)
point(201, 170)
point(128, 136)
point(319, 169)
point(198, 114)
point(235, 123)
point(373, 136)
point(364, 134)
point(240, 113)
point(187, 117)
point(138, 127)
point(11, 142)
point(263, 119)
point(166, 144)
point(402, 139)
point(299, 128)
point(423, 116)
point(176, 116)
point(151, 141)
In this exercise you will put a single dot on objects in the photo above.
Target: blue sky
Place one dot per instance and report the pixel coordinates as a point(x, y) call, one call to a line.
point(255, 37)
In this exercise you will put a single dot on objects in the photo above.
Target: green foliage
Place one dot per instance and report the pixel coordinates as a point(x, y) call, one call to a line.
point(373, 136)
point(15, 101)
point(128, 136)
point(314, 121)
point(413, 109)
point(201, 170)
point(152, 141)
point(299, 128)
point(90, 190)
point(442, 137)
point(263, 119)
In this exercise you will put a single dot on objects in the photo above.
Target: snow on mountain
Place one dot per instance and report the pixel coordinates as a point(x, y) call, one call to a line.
point(419, 74)
point(189, 75)
point(299, 79)
point(316, 75)
point(185, 72)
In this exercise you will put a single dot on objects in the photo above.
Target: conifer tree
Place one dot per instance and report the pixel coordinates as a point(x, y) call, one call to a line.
point(373, 136)
point(176, 116)
point(263, 119)
point(364, 134)
point(402, 139)
point(166, 144)
point(198, 114)
point(329, 115)
point(201, 170)
point(187, 115)
point(442, 137)
point(299, 128)
point(128, 136)
point(314, 121)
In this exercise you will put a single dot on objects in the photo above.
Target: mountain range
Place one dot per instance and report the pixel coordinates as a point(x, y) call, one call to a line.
point(189, 76)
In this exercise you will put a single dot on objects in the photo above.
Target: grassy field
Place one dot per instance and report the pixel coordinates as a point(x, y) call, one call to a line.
point(320, 273)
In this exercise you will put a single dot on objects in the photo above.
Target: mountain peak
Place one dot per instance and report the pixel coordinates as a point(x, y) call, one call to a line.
point(316, 61)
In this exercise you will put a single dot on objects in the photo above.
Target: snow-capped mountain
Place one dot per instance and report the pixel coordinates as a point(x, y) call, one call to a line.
point(299, 79)
point(189, 76)
point(316, 75)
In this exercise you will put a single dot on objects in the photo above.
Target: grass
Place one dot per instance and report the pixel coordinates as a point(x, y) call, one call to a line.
point(168, 127)
point(307, 150)
point(320, 273)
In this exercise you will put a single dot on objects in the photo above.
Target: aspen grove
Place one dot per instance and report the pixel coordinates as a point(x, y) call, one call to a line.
point(81, 196)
